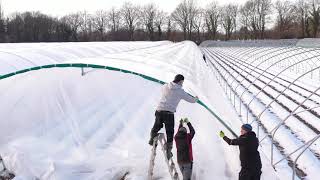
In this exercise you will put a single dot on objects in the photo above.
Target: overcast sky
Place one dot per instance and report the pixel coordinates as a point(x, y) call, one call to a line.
point(63, 7)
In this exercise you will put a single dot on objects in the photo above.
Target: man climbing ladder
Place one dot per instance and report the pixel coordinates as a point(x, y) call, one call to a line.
point(172, 93)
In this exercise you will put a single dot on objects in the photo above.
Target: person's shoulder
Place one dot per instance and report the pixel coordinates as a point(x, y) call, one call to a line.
point(243, 137)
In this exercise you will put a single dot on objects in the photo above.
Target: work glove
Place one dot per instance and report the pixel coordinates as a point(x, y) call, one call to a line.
point(186, 120)
point(181, 121)
point(197, 98)
point(222, 134)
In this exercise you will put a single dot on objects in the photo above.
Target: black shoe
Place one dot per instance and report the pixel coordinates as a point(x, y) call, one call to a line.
point(151, 142)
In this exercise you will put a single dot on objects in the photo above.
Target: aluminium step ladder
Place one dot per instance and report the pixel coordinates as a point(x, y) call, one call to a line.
point(171, 165)
point(5, 174)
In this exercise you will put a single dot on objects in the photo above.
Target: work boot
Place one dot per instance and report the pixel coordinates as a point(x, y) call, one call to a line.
point(152, 138)
point(168, 150)
point(151, 141)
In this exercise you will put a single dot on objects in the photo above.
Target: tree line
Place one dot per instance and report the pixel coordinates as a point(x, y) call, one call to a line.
point(255, 19)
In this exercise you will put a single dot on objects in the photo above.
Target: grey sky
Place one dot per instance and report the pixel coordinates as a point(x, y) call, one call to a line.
point(63, 7)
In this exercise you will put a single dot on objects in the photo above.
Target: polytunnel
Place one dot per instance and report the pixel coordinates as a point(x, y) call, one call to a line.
point(275, 88)
point(85, 110)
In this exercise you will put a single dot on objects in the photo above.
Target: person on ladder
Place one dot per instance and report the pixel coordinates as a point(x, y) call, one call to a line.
point(172, 93)
point(184, 148)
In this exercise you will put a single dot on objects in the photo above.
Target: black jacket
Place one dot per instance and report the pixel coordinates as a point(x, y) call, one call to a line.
point(249, 154)
point(184, 146)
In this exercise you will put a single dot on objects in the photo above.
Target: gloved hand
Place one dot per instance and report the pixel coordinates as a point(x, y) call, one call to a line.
point(197, 98)
point(222, 134)
point(181, 121)
point(186, 120)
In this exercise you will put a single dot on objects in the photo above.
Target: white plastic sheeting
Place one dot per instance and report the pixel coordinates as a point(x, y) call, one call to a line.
point(15, 57)
point(57, 124)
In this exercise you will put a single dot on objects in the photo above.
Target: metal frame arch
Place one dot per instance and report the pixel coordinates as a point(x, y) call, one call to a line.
point(256, 66)
point(308, 109)
point(237, 62)
point(285, 55)
point(267, 54)
point(238, 59)
point(282, 92)
point(239, 49)
point(307, 145)
point(268, 69)
point(231, 75)
point(284, 120)
point(226, 71)
point(307, 63)
point(248, 58)
point(250, 51)
point(273, 57)
point(230, 56)
point(255, 59)
point(292, 113)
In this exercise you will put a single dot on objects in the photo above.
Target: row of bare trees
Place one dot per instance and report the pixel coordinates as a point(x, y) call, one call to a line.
point(255, 19)
point(297, 19)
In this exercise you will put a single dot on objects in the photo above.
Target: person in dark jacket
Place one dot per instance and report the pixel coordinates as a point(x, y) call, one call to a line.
point(204, 58)
point(184, 149)
point(249, 155)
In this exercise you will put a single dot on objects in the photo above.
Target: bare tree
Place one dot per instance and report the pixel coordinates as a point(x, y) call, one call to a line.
point(255, 13)
point(228, 19)
point(301, 11)
point(130, 14)
point(74, 21)
point(264, 9)
point(212, 14)
point(285, 17)
point(2, 25)
point(86, 25)
point(184, 15)
point(193, 10)
point(169, 27)
point(246, 21)
point(249, 18)
point(148, 15)
point(315, 17)
point(100, 20)
point(199, 23)
point(114, 18)
point(181, 16)
point(160, 20)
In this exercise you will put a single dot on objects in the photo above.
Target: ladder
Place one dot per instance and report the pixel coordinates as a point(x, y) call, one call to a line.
point(171, 165)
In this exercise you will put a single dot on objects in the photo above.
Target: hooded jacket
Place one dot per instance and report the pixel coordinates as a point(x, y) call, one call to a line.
point(248, 146)
point(183, 144)
point(172, 93)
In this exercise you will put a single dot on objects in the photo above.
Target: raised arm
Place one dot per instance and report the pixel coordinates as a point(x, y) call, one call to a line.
point(192, 131)
point(185, 96)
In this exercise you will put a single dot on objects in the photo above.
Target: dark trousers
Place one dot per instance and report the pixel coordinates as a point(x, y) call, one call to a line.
point(186, 170)
point(248, 174)
point(166, 118)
